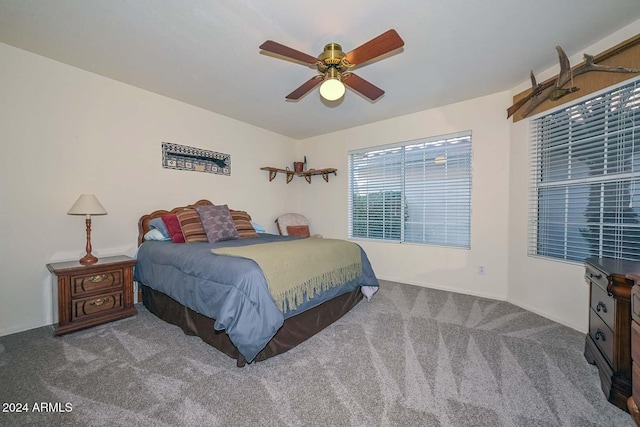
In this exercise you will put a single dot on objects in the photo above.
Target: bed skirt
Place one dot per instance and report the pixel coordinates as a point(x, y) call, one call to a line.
point(295, 330)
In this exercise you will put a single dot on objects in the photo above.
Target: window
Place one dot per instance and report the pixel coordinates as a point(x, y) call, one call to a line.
point(585, 175)
point(417, 191)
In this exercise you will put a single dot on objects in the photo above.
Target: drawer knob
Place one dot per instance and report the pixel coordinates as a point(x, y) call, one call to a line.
point(595, 276)
point(600, 335)
point(99, 301)
point(601, 307)
point(99, 278)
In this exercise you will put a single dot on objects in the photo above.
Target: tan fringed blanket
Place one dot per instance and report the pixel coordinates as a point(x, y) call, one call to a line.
point(298, 268)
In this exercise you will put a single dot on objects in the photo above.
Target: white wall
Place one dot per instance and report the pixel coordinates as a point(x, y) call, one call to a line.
point(553, 289)
point(325, 204)
point(499, 205)
point(64, 131)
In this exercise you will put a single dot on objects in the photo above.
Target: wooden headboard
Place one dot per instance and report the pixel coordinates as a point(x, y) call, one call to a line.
point(143, 222)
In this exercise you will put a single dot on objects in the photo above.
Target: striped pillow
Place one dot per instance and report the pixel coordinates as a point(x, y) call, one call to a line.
point(242, 221)
point(191, 226)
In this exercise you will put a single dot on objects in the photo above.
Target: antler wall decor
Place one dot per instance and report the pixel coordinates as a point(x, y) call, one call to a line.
point(541, 92)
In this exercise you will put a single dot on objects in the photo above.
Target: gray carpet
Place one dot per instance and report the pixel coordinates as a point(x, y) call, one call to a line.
point(410, 357)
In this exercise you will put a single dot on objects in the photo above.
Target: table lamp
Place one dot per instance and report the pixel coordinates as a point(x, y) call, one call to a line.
point(87, 204)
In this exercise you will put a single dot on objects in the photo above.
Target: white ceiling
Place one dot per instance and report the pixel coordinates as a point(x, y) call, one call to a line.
point(205, 52)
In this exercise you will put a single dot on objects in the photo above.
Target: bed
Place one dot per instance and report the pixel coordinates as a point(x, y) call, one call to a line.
point(227, 298)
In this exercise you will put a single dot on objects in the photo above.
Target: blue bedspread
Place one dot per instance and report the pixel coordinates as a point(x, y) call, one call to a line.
point(231, 290)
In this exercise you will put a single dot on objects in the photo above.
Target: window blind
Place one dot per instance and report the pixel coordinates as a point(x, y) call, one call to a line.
point(417, 191)
point(585, 173)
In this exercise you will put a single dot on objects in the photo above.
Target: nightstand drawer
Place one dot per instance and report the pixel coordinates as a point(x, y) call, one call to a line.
point(602, 335)
point(603, 304)
point(96, 304)
point(95, 282)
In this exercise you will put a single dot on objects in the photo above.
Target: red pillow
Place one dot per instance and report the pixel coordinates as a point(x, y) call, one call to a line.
point(173, 227)
point(298, 230)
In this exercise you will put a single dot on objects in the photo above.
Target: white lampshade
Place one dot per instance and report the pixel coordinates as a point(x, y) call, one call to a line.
point(332, 89)
point(87, 204)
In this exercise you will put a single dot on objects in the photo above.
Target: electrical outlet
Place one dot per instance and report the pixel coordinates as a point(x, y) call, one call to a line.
point(482, 270)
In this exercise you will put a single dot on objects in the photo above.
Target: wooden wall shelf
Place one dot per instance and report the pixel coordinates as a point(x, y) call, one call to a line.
point(273, 172)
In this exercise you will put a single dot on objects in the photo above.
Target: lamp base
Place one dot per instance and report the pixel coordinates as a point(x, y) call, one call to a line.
point(88, 259)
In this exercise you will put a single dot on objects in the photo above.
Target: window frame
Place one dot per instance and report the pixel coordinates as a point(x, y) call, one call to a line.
point(459, 162)
point(607, 104)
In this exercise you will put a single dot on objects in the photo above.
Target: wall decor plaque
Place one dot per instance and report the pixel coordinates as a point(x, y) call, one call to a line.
point(183, 157)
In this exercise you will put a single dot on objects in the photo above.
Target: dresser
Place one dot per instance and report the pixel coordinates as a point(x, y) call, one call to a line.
point(89, 295)
point(608, 343)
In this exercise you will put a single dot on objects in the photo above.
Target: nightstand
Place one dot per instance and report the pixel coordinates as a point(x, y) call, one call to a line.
point(89, 295)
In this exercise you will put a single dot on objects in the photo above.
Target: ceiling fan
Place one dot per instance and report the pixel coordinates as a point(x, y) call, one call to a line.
point(333, 66)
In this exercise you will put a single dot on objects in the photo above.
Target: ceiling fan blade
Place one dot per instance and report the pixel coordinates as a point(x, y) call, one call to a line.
point(385, 42)
point(362, 86)
point(305, 88)
point(280, 49)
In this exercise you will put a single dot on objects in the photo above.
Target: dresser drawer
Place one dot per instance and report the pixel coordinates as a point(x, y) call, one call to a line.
point(602, 335)
point(635, 303)
point(635, 343)
point(88, 283)
point(99, 304)
point(596, 277)
point(635, 381)
point(603, 304)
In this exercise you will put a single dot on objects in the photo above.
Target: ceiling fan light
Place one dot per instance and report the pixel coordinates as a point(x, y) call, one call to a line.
point(332, 89)
point(440, 159)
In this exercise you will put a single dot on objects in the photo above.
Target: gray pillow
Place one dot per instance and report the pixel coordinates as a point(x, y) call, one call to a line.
point(217, 223)
point(158, 224)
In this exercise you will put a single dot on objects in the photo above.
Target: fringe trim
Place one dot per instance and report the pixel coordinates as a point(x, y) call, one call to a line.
point(292, 298)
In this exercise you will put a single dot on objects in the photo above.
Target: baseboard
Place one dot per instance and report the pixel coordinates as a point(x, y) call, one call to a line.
point(548, 316)
point(444, 288)
point(23, 328)
point(489, 296)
